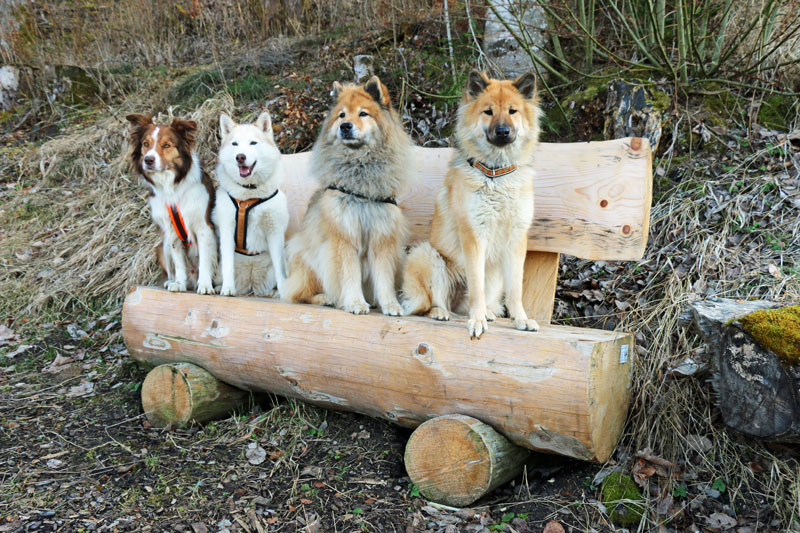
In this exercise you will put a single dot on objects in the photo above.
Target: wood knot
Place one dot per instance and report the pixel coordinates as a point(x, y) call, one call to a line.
point(423, 348)
point(626, 229)
point(603, 203)
point(636, 143)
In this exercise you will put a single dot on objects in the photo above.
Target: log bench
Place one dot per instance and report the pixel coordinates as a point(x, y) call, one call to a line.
point(479, 404)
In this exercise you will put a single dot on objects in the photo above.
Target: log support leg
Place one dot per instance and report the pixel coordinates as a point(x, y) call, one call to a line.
point(178, 394)
point(456, 459)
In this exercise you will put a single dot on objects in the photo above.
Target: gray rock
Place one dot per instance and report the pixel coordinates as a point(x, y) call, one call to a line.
point(528, 21)
point(362, 66)
point(9, 86)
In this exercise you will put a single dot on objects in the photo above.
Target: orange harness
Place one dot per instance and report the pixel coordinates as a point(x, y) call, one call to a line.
point(177, 224)
point(243, 207)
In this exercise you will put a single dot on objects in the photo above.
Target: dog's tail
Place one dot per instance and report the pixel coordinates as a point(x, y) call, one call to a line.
point(425, 271)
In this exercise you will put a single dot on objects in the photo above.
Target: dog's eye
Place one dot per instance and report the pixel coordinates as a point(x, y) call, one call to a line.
point(512, 111)
point(252, 143)
point(341, 115)
point(488, 112)
point(234, 143)
point(165, 145)
point(363, 114)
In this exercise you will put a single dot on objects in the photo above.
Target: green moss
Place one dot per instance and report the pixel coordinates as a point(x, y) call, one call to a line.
point(722, 105)
point(617, 487)
point(777, 330)
point(659, 100)
point(774, 112)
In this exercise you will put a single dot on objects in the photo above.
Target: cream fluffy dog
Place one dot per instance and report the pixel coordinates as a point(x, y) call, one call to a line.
point(251, 213)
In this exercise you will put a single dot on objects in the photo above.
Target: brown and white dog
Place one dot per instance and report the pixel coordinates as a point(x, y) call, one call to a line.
point(181, 200)
point(483, 211)
point(350, 242)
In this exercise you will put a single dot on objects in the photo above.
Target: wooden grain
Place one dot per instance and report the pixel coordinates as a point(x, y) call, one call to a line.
point(537, 389)
point(456, 459)
point(592, 200)
point(176, 395)
point(539, 285)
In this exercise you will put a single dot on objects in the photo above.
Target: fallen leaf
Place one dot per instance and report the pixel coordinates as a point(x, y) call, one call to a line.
point(553, 527)
point(305, 501)
point(22, 348)
point(685, 368)
point(6, 333)
point(85, 388)
point(199, 527)
point(255, 454)
point(699, 443)
point(54, 463)
point(721, 520)
point(124, 469)
point(774, 271)
point(57, 365)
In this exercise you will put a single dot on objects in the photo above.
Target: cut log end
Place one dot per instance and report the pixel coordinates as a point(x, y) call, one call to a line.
point(176, 395)
point(456, 459)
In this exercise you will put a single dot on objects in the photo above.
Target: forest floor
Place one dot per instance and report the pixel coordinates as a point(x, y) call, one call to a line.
point(78, 455)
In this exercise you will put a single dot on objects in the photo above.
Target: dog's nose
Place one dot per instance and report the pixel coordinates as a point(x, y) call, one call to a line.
point(149, 160)
point(346, 127)
point(241, 158)
point(502, 132)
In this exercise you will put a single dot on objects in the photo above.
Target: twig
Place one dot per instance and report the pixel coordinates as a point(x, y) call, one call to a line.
point(449, 42)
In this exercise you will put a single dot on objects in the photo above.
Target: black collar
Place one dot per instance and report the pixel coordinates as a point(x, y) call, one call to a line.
point(250, 186)
point(490, 172)
point(351, 193)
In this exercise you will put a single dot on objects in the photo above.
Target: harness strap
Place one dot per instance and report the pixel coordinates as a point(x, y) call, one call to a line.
point(178, 224)
point(491, 172)
point(351, 193)
point(243, 207)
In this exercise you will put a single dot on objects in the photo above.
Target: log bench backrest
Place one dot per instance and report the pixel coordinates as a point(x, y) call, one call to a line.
point(592, 200)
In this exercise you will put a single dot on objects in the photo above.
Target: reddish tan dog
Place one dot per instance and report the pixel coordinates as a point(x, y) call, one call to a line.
point(483, 211)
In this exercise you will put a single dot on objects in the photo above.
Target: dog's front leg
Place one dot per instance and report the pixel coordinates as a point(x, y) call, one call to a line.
point(513, 269)
point(275, 244)
point(207, 252)
point(474, 249)
point(352, 296)
point(382, 260)
point(227, 253)
point(178, 255)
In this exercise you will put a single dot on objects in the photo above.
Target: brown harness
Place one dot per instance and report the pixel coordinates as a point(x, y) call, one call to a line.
point(243, 207)
point(491, 172)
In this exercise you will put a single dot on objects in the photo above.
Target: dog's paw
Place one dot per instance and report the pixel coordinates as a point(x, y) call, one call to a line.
point(392, 309)
point(490, 316)
point(438, 313)
point(528, 324)
point(205, 288)
point(357, 308)
point(227, 290)
point(477, 327)
point(176, 286)
point(321, 299)
point(273, 293)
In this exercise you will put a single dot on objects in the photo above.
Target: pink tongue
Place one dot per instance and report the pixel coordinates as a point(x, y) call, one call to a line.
point(245, 171)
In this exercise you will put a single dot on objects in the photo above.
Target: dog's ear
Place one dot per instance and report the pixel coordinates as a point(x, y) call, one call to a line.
point(186, 130)
point(476, 83)
point(264, 123)
point(377, 91)
point(226, 125)
point(137, 119)
point(526, 85)
point(336, 90)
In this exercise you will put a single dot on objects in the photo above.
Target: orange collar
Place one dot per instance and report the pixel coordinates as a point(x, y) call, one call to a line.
point(178, 224)
point(491, 172)
point(243, 207)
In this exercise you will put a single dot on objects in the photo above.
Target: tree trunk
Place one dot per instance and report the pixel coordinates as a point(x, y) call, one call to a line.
point(456, 459)
point(758, 395)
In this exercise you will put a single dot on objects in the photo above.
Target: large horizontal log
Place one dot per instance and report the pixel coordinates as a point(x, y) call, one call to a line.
point(592, 200)
point(563, 390)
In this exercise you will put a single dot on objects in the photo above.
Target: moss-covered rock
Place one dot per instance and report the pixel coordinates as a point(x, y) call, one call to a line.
point(777, 330)
point(617, 493)
point(774, 111)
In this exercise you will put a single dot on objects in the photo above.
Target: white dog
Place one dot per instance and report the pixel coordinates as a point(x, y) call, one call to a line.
point(251, 214)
